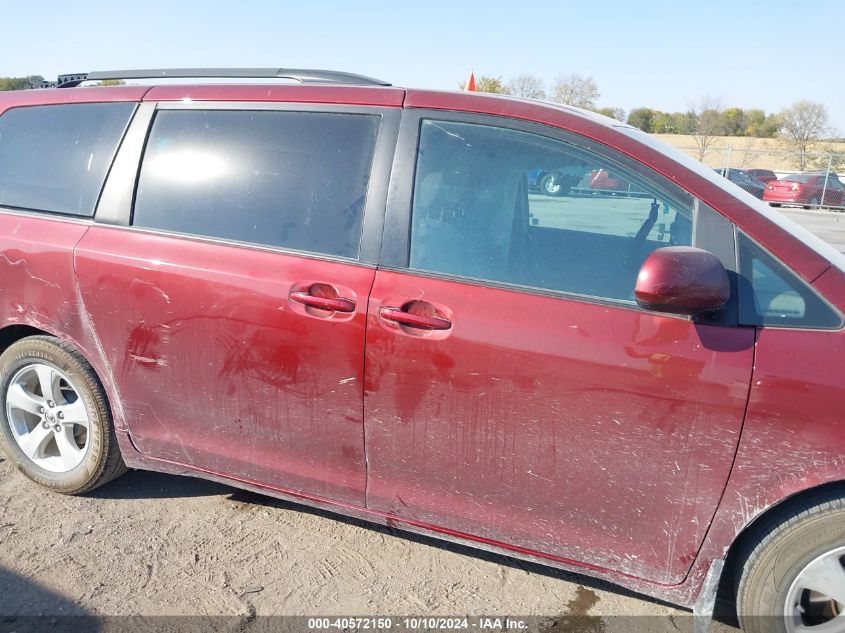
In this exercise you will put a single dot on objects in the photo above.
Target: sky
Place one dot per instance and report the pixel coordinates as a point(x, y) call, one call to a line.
point(666, 55)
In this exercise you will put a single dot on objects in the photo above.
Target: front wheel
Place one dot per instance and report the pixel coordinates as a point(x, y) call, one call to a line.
point(55, 424)
point(793, 579)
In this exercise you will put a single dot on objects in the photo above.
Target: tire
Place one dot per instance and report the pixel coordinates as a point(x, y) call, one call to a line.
point(551, 184)
point(814, 202)
point(792, 551)
point(774, 204)
point(55, 422)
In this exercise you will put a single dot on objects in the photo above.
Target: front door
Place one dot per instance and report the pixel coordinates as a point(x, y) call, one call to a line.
point(232, 310)
point(515, 392)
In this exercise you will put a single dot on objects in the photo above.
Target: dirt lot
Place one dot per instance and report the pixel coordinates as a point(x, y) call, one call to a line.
point(155, 544)
point(151, 544)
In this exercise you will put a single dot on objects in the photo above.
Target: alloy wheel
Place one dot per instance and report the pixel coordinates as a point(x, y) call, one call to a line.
point(816, 600)
point(47, 417)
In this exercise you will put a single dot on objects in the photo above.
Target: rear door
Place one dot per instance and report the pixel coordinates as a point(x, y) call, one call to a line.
point(515, 392)
point(231, 304)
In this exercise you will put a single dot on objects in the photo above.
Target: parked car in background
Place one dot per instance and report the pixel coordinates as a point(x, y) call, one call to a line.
point(763, 175)
point(807, 189)
point(742, 179)
point(555, 182)
point(602, 182)
point(641, 386)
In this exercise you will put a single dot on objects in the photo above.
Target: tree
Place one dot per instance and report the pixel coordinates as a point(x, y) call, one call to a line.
point(526, 85)
point(613, 113)
point(576, 90)
point(802, 125)
point(20, 83)
point(490, 84)
point(642, 118)
point(681, 122)
point(733, 122)
point(662, 123)
point(707, 125)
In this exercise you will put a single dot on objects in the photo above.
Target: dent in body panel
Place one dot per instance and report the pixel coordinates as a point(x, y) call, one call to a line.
point(37, 282)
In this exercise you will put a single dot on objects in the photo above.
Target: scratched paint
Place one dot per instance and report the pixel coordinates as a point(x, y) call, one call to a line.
point(609, 443)
point(219, 370)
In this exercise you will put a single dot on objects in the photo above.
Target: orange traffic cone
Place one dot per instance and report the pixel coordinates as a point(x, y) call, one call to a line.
point(470, 85)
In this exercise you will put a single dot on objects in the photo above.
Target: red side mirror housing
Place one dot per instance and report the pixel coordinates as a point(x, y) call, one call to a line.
point(682, 280)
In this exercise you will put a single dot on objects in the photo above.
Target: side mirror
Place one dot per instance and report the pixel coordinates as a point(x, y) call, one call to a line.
point(682, 280)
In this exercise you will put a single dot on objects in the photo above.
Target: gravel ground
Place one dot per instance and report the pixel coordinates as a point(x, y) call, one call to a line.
point(159, 545)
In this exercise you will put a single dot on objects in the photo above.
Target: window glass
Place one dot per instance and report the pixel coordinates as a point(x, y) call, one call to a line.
point(771, 295)
point(55, 157)
point(291, 179)
point(509, 206)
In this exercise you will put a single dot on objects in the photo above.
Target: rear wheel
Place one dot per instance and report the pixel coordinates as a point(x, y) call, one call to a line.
point(774, 204)
point(551, 184)
point(793, 579)
point(814, 202)
point(55, 424)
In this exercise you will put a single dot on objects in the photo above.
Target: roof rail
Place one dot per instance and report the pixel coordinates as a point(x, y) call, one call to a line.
point(302, 75)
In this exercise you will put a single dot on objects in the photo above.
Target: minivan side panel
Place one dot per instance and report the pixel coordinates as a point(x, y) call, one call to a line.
point(218, 369)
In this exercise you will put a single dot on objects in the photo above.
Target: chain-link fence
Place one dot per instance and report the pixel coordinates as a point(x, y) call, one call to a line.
point(777, 176)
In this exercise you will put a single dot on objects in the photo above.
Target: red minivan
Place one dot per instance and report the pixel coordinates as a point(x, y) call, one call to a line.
point(343, 294)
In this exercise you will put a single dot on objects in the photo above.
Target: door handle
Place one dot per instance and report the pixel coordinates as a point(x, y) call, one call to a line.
point(397, 315)
point(337, 304)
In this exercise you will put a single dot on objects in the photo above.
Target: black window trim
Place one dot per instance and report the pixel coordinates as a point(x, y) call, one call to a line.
point(711, 230)
point(118, 198)
point(122, 137)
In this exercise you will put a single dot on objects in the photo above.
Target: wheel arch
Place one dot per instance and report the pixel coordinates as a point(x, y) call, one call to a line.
point(13, 332)
point(751, 534)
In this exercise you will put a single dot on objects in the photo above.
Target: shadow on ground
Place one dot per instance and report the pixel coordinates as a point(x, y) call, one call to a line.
point(27, 606)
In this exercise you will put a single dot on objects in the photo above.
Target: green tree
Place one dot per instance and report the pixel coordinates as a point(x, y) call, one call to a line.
point(20, 83)
point(755, 119)
point(662, 123)
point(682, 122)
point(770, 126)
point(760, 125)
point(642, 118)
point(733, 122)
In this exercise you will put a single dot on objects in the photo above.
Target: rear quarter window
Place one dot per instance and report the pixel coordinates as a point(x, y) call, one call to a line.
point(55, 157)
